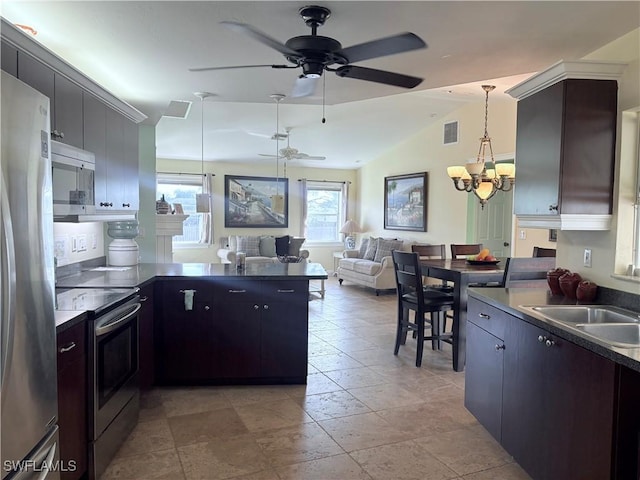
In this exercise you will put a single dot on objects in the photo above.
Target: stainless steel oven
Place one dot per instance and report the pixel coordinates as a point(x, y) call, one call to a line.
point(114, 399)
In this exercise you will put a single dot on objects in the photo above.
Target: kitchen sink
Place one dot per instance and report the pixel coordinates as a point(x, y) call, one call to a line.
point(617, 334)
point(587, 314)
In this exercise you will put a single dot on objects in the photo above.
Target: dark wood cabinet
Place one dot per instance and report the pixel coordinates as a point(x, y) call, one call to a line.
point(9, 59)
point(565, 149)
point(72, 401)
point(146, 336)
point(239, 330)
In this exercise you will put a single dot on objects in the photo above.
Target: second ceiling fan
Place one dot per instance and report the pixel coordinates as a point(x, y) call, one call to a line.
point(315, 54)
point(289, 153)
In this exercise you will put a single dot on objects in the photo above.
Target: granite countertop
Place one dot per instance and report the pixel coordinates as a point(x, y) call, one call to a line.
point(67, 319)
point(139, 275)
point(511, 300)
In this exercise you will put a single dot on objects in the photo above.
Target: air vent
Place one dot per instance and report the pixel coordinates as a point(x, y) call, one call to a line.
point(177, 109)
point(450, 133)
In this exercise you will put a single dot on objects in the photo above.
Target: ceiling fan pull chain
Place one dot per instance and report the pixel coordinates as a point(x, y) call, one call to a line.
point(324, 89)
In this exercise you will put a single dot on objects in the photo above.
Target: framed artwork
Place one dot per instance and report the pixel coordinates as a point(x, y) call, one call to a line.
point(256, 202)
point(405, 202)
point(178, 208)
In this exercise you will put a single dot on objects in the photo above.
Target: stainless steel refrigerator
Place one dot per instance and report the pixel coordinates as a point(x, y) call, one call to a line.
point(27, 285)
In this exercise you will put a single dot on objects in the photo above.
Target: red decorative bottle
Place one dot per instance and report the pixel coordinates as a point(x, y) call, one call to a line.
point(552, 280)
point(569, 284)
point(586, 291)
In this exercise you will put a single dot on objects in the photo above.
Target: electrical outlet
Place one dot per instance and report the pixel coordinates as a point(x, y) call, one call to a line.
point(82, 243)
point(523, 235)
point(94, 241)
point(587, 257)
point(74, 244)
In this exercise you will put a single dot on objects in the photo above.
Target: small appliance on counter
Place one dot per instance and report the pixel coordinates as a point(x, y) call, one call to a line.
point(123, 250)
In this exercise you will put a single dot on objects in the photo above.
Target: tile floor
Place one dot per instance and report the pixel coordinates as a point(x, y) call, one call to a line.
point(364, 414)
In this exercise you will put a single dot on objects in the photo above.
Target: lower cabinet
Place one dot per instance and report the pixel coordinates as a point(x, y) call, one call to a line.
point(146, 336)
point(550, 403)
point(72, 401)
point(234, 331)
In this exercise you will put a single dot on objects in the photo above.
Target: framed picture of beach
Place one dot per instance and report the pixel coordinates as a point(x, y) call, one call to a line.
point(256, 202)
point(405, 202)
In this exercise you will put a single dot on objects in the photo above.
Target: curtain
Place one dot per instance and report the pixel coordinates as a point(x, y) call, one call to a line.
point(303, 210)
point(206, 234)
point(345, 202)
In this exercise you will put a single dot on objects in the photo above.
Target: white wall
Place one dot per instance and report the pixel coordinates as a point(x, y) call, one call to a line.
point(68, 236)
point(317, 254)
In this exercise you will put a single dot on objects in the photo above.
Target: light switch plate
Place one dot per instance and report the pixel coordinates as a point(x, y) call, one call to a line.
point(587, 257)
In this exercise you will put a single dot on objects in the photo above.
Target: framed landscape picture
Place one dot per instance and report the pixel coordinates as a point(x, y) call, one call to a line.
point(405, 202)
point(256, 202)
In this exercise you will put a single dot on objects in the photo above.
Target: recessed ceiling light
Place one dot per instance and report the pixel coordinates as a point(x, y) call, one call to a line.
point(29, 30)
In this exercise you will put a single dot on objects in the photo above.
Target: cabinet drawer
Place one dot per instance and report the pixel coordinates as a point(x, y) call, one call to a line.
point(71, 345)
point(489, 318)
point(174, 291)
point(286, 290)
point(236, 290)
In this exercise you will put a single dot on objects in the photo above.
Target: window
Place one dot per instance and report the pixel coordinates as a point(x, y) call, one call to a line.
point(325, 211)
point(182, 188)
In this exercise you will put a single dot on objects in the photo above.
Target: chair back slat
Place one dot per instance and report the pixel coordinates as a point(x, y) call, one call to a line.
point(430, 251)
point(543, 252)
point(408, 276)
point(462, 250)
point(528, 272)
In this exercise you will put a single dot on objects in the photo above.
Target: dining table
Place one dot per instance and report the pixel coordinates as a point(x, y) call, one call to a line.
point(461, 273)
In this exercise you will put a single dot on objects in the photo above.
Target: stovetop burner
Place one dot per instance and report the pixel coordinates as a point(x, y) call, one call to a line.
point(93, 300)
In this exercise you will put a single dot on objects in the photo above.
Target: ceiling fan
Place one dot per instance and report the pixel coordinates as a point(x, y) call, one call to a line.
point(289, 153)
point(315, 53)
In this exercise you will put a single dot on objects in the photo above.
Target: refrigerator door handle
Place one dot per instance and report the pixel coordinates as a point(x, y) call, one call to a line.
point(44, 463)
point(48, 462)
point(7, 279)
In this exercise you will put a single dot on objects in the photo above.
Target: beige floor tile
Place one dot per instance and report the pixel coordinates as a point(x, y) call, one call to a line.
point(151, 407)
point(160, 465)
point(425, 419)
point(272, 415)
point(379, 397)
point(510, 471)
point(402, 461)
point(348, 345)
point(268, 474)
point(356, 377)
point(297, 444)
point(338, 361)
point(147, 437)
point(222, 458)
point(202, 427)
point(332, 405)
point(467, 450)
point(321, 348)
point(362, 431)
point(340, 467)
point(316, 383)
point(183, 401)
point(246, 395)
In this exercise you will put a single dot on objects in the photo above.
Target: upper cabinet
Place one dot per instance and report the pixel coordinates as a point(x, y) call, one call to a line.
point(9, 59)
point(565, 146)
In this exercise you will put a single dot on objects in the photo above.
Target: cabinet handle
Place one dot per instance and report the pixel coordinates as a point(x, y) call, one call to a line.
point(266, 307)
point(143, 299)
point(549, 343)
point(286, 291)
point(500, 347)
point(553, 208)
point(71, 346)
point(484, 315)
point(106, 204)
point(206, 307)
point(256, 307)
point(184, 291)
point(237, 291)
point(542, 339)
point(126, 204)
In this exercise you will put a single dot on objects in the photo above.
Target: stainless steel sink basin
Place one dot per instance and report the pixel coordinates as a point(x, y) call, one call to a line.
point(587, 314)
point(618, 334)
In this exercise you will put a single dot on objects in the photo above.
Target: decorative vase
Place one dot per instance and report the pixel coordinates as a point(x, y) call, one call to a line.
point(586, 291)
point(569, 284)
point(552, 280)
point(162, 206)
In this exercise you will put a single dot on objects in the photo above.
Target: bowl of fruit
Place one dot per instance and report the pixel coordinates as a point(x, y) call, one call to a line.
point(482, 258)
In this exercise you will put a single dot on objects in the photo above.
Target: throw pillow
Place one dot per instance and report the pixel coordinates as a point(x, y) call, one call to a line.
point(282, 245)
point(363, 247)
point(372, 246)
point(249, 245)
point(267, 246)
point(294, 246)
point(385, 247)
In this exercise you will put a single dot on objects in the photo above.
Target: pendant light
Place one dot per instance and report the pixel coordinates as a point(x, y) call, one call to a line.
point(203, 200)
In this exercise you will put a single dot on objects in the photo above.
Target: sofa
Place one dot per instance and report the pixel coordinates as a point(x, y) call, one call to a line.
point(261, 249)
point(371, 265)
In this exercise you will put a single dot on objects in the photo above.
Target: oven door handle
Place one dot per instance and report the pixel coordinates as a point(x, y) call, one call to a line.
point(116, 318)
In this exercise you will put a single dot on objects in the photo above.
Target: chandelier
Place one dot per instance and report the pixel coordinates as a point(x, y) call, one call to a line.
point(475, 176)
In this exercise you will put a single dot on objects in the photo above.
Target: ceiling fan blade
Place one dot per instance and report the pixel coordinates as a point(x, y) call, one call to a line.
point(378, 76)
point(304, 156)
point(304, 87)
point(403, 42)
point(261, 37)
point(206, 69)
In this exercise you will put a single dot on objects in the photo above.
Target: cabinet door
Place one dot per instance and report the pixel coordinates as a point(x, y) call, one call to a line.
point(235, 326)
point(39, 76)
point(68, 112)
point(538, 150)
point(72, 400)
point(146, 319)
point(483, 378)
point(284, 328)
point(95, 131)
point(130, 166)
point(9, 59)
point(115, 172)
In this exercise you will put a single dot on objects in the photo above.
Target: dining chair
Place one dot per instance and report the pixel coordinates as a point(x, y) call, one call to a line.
point(459, 250)
point(544, 252)
point(412, 296)
point(527, 272)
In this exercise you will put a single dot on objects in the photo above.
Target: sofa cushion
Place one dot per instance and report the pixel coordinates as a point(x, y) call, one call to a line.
point(248, 245)
point(267, 246)
point(282, 245)
point(372, 246)
point(347, 263)
point(366, 267)
point(294, 245)
point(385, 247)
point(363, 247)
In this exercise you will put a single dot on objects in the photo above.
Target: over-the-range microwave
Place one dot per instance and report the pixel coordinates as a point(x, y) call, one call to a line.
point(73, 175)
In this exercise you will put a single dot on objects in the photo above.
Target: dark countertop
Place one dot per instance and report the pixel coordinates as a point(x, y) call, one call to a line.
point(144, 273)
point(510, 301)
point(139, 275)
